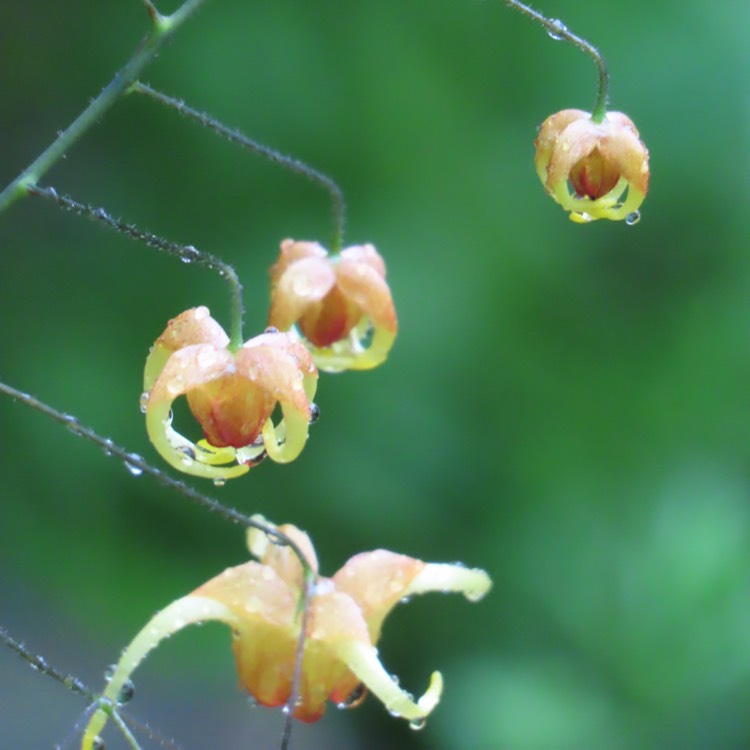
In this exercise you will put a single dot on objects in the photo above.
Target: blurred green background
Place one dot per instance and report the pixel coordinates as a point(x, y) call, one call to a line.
point(566, 406)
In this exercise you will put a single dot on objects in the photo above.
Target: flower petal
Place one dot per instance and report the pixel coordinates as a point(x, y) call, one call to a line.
point(360, 282)
point(473, 583)
point(548, 134)
point(377, 581)
point(281, 557)
point(302, 284)
point(194, 326)
point(363, 662)
point(185, 370)
point(186, 611)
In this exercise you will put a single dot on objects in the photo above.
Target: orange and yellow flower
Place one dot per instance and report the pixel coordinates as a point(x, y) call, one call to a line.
point(595, 170)
point(259, 601)
point(336, 302)
point(232, 395)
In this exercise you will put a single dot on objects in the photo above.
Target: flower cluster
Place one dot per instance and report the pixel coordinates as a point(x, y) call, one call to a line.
point(604, 163)
point(259, 601)
point(337, 303)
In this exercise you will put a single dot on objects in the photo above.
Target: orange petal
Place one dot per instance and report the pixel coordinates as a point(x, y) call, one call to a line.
point(377, 581)
point(301, 285)
point(368, 289)
point(281, 557)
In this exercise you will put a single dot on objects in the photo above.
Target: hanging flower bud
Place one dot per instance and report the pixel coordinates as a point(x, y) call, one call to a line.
point(232, 395)
point(336, 302)
point(259, 602)
point(588, 167)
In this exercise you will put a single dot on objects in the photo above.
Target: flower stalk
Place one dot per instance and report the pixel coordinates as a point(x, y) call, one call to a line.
point(162, 28)
point(558, 30)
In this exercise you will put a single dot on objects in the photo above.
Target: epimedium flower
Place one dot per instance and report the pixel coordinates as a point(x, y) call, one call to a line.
point(232, 394)
point(337, 302)
point(600, 161)
point(259, 601)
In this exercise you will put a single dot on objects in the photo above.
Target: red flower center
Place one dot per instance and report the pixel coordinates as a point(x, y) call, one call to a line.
point(593, 176)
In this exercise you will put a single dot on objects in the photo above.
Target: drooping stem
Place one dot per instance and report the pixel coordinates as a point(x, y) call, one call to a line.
point(186, 253)
point(288, 162)
point(558, 30)
point(137, 465)
point(162, 28)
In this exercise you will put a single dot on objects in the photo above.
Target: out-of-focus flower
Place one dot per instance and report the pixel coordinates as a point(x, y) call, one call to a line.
point(337, 302)
point(588, 166)
point(232, 394)
point(260, 601)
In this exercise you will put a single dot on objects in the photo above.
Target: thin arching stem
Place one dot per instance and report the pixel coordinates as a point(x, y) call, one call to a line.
point(288, 162)
point(558, 30)
point(162, 28)
point(137, 465)
point(186, 253)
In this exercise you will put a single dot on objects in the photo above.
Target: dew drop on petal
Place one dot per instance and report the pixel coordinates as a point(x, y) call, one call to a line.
point(187, 454)
point(633, 218)
point(127, 691)
point(417, 724)
point(201, 312)
point(219, 481)
point(354, 699)
point(314, 413)
point(175, 385)
point(143, 401)
point(271, 329)
point(301, 286)
point(206, 357)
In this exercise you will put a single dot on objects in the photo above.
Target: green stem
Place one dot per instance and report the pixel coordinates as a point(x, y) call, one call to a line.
point(288, 162)
point(186, 253)
point(40, 664)
point(162, 29)
point(558, 30)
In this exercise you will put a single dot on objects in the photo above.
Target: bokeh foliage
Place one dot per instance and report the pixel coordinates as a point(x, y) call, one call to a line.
point(566, 406)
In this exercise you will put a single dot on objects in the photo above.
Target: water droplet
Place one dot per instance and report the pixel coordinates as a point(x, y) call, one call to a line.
point(405, 599)
point(189, 254)
point(188, 455)
point(394, 679)
point(201, 312)
point(72, 423)
point(98, 743)
point(219, 481)
point(143, 401)
point(286, 709)
point(206, 357)
point(127, 691)
point(417, 724)
point(301, 286)
point(354, 699)
point(314, 413)
point(107, 447)
point(633, 218)
point(271, 329)
point(557, 29)
point(175, 385)
point(133, 466)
